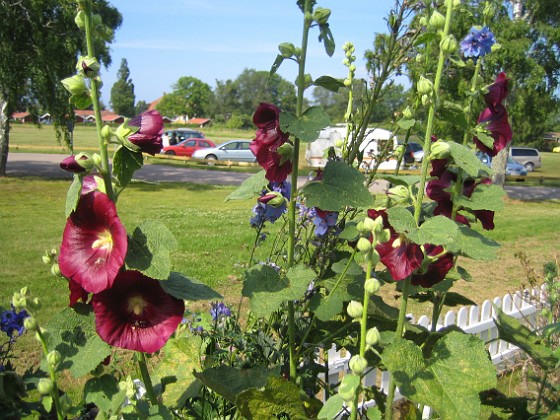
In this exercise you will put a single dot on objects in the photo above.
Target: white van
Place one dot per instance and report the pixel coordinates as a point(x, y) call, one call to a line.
point(374, 143)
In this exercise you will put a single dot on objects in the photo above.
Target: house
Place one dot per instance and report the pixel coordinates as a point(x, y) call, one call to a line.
point(110, 117)
point(200, 122)
point(22, 117)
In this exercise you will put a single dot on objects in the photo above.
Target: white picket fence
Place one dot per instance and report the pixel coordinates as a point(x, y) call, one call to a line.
point(472, 320)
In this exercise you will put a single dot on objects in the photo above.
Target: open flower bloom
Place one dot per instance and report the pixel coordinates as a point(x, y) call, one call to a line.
point(136, 313)
point(496, 122)
point(148, 136)
point(94, 243)
point(436, 271)
point(268, 139)
point(477, 43)
point(400, 256)
point(77, 293)
point(497, 92)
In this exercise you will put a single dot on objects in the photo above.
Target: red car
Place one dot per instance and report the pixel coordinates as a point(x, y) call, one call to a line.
point(187, 147)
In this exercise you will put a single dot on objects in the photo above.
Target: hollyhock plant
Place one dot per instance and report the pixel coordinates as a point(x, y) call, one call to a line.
point(437, 270)
point(268, 140)
point(496, 122)
point(94, 243)
point(77, 293)
point(497, 92)
point(400, 256)
point(135, 313)
point(77, 164)
point(150, 130)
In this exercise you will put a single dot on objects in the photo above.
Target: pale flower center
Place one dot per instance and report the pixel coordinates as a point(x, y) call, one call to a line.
point(104, 241)
point(136, 304)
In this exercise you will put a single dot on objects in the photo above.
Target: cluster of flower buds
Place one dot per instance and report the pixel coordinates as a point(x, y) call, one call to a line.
point(348, 61)
point(49, 257)
point(372, 232)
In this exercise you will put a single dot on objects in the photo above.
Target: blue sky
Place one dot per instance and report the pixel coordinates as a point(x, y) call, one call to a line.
point(217, 39)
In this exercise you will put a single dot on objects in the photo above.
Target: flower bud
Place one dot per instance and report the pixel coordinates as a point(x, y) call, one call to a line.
point(30, 324)
point(44, 333)
point(347, 82)
point(287, 49)
point(439, 150)
point(358, 364)
point(423, 21)
point(488, 11)
point(426, 100)
point(45, 386)
point(448, 44)
point(274, 199)
point(54, 358)
point(97, 161)
point(369, 224)
point(80, 163)
point(76, 85)
point(424, 86)
point(437, 20)
point(339, 143)
point(88, 66)
point(46, 259)
point(361, 227)
point(372, 286)
point(80, 19)
point(55, 270)
point(34, 304)
point(372, 336)
point(355, 309)
point(399, 150)
point(407, 113)
point(399, 193)
point(106, 132)
point(348, 387)
point(419, 58)
point(383, 236)
point(364, 245)
point(19, 302)
point(321, 15)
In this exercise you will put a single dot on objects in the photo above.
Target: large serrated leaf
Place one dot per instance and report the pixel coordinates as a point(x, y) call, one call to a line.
point(182, 358)
point(181, 287)
point(438, 230)
point(471, 243)
point(104, 392)
point(125, 163)
point(331, 408)
point(249, 188)
point(329, 83)
point(484, 197)
point(148, 250)
point(456, 358)
point(465, 159)
point(341, 186)
point(73, 195)
point(307, 127)
point(406, 180)
point(402, 220)
point(268, 290)
point(72, 334)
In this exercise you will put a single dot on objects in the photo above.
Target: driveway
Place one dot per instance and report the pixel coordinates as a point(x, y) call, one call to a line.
point(47, 165)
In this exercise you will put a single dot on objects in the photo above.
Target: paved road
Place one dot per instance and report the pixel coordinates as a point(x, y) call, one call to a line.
point(47, 165)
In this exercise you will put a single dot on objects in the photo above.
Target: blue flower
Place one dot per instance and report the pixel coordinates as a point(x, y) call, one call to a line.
point(324, 220)
point(477, 43)
point(219, 309)
point(271, 204)
point(11, 321)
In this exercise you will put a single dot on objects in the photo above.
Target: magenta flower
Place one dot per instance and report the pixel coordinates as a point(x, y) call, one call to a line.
point(136, 313)
point(77, 293)
point(268, 139)
point(436, 271)
point(497, 91)
point(400, 256)
point(77, 164)
point(148, 136)
point(94, 243)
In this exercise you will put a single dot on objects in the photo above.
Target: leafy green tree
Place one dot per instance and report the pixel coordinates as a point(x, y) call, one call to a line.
point(190, 97)
point(140, 107)
point(122, 92)
point(39, 43)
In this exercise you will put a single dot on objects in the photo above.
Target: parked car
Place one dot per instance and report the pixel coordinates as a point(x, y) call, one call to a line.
point(413, 153)
point(188, 147)
point(514, 170)
point(234, 150)
point(528, 157)
point(177, 135)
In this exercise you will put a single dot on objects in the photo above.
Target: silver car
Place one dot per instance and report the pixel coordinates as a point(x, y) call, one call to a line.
point(233, 150)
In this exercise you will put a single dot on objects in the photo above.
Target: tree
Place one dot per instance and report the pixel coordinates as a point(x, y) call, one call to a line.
point(122, 92)
point(39, 44)
point(190, 97)
point(140, 107)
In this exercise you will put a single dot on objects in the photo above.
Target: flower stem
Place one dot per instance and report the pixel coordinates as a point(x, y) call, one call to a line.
point(56, 399)
point(141, 359)
point(474, 82)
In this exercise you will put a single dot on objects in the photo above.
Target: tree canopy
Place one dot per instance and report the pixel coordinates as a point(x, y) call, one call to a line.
point(122, 92)
point(190, 97)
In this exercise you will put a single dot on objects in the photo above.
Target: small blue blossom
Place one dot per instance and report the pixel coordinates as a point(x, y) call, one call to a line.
point(265, 212)
point(11, 321)
point(219, 309)
point(477, 43)
point(324, 220)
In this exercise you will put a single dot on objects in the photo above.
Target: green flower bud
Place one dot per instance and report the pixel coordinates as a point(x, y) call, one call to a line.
point(46, 259)
point(30, 324)
point(54, 358)
point(372, 286)
point(44, 333)
point(364, 245)
point(76, 85)
point(383, 236)
point(399, 193)
point(34, 304)
point(423, 21)
point(439, 150)
point(355, 309)
point(347, 82)
point(426, 100)
point(80, 19)
point(287, 49)
point(88, 67)
point(399, 150)
point(97, 162)
point(339, 143)
point(361, 227)
point(488, 11)
point(321, 15)
point(45, 386)
point(19, 302)
point(372, 336)
point(358, 364)
point(407, 113)
point(424, 86)
point(374, 255)
point(448, 44)
point(55, 270)
point(437, 20)
point(348, 387)
point(369, 224)
point(419, 58)
point(106, 132)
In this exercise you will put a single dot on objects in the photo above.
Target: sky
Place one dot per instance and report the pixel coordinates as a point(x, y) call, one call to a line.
point(217, 39)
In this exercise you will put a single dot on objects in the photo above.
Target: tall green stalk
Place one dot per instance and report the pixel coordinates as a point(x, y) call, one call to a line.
point(52, 374)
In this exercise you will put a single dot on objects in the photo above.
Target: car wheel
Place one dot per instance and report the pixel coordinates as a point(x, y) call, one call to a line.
point(170, 153)
point(529, 166)
point(211, 160)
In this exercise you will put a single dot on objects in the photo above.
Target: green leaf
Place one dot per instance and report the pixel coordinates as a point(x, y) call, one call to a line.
point(438, 230)
point(406, 123)
point(485, 138)
point(327, 38)
point(249, 188)
point(331, 408)
point(73, 195)
point(148, 250)
point(267, 290)
point(104, 392)
point(402, 220)
point(329, 83)
point(182, 358)
point(81, 101)
point(455, 359)
point(307, 127)
point(484, 197)
point(465, 159)
point(279, 399)
point(350, 232)
point(181, 287)
point(406, 180)
point(276, 65)
point(125, 163)
point(72, 333)
point(342, 185)
point(514, 332)
point(453, 112)
point(471, 243)
point(230, 382)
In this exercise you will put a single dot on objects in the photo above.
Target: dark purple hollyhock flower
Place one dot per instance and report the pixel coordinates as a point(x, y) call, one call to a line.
point(400, 256)
point(77, 293)
point(77, 164)
point(268, 139)
point(496, 122)
point(497, 92)
point(94, 243)
point(436, 271)
point(135, 313)
point(148, 136)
